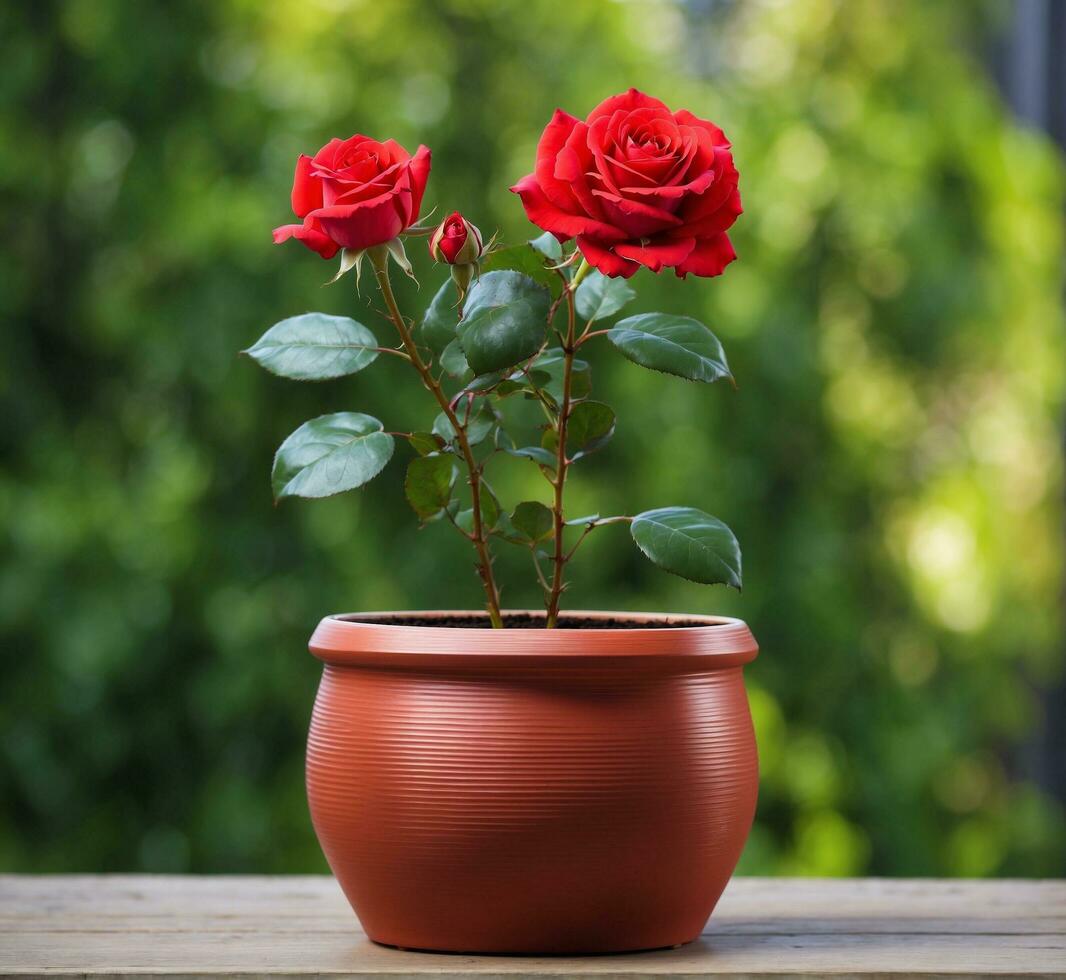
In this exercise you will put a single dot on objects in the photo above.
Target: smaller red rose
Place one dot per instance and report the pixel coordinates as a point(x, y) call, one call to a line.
point(356, 193)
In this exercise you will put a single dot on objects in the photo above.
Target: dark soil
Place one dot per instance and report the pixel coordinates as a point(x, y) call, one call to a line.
point(524, 621)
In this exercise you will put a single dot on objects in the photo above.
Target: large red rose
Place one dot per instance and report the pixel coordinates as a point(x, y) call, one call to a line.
point(636, 184)
point(355, 193)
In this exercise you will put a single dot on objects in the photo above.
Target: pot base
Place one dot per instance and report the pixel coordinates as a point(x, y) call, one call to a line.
point(533, 952)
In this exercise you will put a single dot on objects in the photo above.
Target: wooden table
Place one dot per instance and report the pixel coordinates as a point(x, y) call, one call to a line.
point(121, 925)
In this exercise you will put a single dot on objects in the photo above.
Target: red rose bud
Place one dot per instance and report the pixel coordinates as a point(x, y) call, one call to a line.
point(456, 241)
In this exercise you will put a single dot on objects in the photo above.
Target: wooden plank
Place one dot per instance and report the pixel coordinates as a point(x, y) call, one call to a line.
point(124, 925)
point(749, 906)
point(293, 955)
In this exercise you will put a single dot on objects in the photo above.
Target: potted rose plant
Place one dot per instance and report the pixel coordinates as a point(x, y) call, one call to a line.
point(524, 781)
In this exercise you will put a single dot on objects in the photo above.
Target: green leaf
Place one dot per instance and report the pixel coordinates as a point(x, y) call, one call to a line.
point(428, 484)
point(525, 259)
point(504, 321)
point(505, 529)
point(550, 363)
point(490, 511)
point(589, 427)
point(689, 543)
point(331, 454)
point(672, 344)
point(425, 443)
point(548, 246)
point(490, 506)
point(438, 325)
point(478, 426)
point(600, 296)
point(532, 520)
point(508, 387)
point(314, 347)
point(453, 360)
point(484, 382)
point(538, 454)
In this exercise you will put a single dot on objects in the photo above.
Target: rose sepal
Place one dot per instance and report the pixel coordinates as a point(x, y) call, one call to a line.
point(380, 255)
point(351, 258)
point(463, 276)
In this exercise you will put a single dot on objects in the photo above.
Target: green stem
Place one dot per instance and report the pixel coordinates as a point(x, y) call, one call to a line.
point(380, 260)
point(589, 334)
point(582, 270)
point(562, 464)
point(591, 526)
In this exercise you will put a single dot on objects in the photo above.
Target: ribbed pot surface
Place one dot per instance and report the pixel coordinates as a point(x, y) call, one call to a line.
point(534, 791)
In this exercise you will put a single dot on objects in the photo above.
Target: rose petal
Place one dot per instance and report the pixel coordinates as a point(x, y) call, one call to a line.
point(635, 218)
point(686, 118)
point(572, 165)
point(596, 142)
point(704, 205)
point(602, 258)
point(659, 195)
point(552, 140)
point(367, 223)
point(395, 152)
point(650, 131)
point(708, 258)
point(649, 173)
point(717, 221)
point(306, 190)
point(328, 153)
point(357, 172)
point(644, 131)
point(656, 255)
point(354, 148)
point(420, 167)
point(627, 101)
point(340, 189)
point(562, 224)
point(311, 235)
point(697, 158)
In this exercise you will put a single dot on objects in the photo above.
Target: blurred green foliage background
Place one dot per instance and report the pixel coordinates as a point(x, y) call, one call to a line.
point(891, 462)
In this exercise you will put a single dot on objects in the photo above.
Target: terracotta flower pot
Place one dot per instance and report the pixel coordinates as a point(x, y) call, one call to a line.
point(532, 791)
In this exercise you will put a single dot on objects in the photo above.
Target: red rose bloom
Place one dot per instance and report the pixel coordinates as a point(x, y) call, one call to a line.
point(355, 193)
point(636, 184)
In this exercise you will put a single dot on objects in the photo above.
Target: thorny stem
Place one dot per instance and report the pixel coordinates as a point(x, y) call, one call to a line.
point(479, 537)
point(560, 557)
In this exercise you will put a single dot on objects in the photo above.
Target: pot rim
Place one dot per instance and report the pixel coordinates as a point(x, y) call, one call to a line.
point(370, 639)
